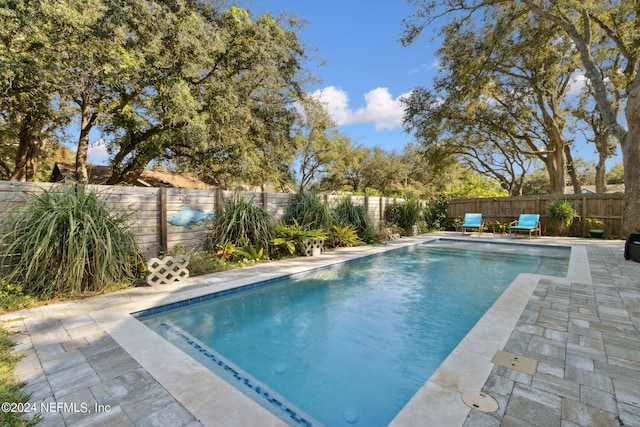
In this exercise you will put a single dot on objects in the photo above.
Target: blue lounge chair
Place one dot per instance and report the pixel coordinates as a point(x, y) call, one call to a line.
point(473, 221)
point(527, 223)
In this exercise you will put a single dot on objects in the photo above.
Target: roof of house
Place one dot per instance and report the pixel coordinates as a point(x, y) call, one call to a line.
point(148, 178)
point(590, 189)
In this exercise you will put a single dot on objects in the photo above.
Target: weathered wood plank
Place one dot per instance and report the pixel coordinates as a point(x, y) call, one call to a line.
point(607, 207)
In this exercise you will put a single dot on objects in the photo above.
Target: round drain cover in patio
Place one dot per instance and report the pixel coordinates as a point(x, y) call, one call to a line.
point(480, 401)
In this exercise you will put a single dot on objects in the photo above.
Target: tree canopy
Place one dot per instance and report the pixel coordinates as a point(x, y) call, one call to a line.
point(604, 40)
point(193, 83)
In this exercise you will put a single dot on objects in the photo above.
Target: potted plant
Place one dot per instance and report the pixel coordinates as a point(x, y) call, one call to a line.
point(596, 227)
point(498, 227)
point(561, 215)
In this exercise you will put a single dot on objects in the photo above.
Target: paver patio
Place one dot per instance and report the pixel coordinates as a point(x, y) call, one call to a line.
point(585, 336)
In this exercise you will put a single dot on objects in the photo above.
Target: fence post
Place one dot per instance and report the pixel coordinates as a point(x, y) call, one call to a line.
point(162, 219)
point(219, 202)
point(543, 224)
point(585, 213)
point(366, 207)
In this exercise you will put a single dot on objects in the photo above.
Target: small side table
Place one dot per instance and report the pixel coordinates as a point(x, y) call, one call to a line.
point(632, 247)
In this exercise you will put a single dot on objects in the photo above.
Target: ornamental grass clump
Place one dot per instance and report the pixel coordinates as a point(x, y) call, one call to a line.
point(67, 241)
point(307, 209)
point(404, 215)
point(346, 213)
point(243, 224)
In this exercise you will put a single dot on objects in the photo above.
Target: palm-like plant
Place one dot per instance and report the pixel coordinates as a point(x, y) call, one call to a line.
point(343, 235)
point(291, 238)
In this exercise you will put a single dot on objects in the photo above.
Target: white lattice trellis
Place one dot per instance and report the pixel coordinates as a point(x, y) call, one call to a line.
point(168, 269)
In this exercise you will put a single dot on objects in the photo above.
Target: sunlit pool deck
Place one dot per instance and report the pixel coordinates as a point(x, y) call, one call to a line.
point(89, 362)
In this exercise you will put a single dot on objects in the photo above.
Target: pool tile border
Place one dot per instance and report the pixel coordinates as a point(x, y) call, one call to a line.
point(279, 405)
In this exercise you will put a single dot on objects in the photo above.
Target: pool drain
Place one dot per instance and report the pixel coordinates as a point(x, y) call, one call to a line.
point(351, 415)
point(479, 401)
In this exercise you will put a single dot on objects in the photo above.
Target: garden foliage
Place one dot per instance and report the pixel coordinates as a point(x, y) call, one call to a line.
point(66, 240)
point(243, 224)
point(561, 215)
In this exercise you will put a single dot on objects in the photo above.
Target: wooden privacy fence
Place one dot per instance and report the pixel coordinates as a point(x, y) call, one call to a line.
point(606, 207)
point(163, 218)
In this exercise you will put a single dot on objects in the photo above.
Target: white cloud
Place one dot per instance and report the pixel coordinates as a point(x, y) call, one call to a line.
point(577, 85)
point(336, 103)
point(434, 65)
point(97, 153)
point(380, 109)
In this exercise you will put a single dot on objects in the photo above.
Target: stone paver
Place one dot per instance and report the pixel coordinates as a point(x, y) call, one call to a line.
point(585, 336)
point(79, 376)
point(587, 341)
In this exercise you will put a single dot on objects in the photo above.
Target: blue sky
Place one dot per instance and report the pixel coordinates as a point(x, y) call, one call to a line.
point(366, 68)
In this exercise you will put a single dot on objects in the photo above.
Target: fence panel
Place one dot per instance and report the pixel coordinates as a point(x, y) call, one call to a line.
point(277, 204)
point(607, 207)
point(162, 218)
point(188, 215)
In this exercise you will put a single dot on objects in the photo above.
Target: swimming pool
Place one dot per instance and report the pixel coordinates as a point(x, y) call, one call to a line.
point(382, 298)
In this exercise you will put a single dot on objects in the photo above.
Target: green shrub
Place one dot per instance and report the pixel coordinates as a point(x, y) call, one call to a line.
point(347, 213)
point(595, 223)
point(392, 214)
point(370, 236)
point(309, 211)
point(289, 238)
point(252, 254)
point(435, 214)
point(12, 297)
point(243, 224)
point(10, 389)
point(66, 241)
point(561, 215)
point(404, 215)
point(343, 235)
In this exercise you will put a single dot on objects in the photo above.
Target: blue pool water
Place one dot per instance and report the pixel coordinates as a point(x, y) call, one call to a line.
point(350, 345)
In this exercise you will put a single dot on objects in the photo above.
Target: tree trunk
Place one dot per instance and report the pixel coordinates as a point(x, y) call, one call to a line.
point(556, 145)
point(20, 168)
point(631, 162)
point(629, 139)
point(29, 152)
point(36, 153)
point(87, 121)
point(571, 170)
point(128, 174)
point(602, 145)
point(551, 172)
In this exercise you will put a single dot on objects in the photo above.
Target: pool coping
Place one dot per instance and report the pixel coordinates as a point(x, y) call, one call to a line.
point(215, 402)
